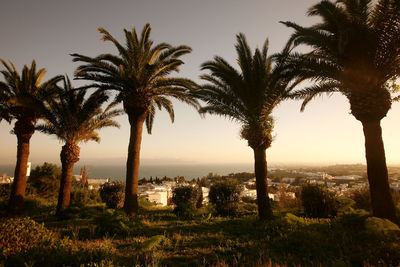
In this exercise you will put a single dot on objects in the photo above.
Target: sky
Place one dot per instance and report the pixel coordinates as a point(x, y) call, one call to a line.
point(49, 31)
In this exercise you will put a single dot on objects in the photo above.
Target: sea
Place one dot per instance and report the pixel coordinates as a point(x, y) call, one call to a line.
point(189, 171)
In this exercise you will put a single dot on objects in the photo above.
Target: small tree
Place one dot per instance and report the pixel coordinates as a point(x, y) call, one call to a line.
point(225, 195)
point(185, 199)
point(200, 198)
point(46, 179)
point(317, 201)
point(362, 198)
point(112, 193)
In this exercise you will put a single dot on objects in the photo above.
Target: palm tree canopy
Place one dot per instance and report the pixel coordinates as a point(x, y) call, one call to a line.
point(73, 118)
point(355, 51)
point(139, 74)
point(22, 95)
point(249, 95)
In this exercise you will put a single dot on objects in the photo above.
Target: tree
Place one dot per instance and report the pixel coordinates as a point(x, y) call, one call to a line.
point(74, 119)
point(21, 99)
point(355, 51)
point(46, 179)
point(140, 76)
point(249, 97)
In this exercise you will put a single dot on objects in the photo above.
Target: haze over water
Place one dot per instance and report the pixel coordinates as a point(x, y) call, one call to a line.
point(189, 171)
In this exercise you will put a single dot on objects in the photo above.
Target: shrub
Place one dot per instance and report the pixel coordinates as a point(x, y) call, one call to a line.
point(113, 222)
point(5, 190)
point(199, 202)
point(381, 226)
point(362, 198)
point(82, 195)
point(21, 234)
point(185, 199)
point(112, 193)
point(225, 196)
point(317, 201)
point(46, 179)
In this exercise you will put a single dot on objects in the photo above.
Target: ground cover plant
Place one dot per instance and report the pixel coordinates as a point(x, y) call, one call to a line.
point(94, 235)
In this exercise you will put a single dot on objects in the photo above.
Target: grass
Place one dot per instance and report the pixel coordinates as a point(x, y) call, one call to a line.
point(103, 237)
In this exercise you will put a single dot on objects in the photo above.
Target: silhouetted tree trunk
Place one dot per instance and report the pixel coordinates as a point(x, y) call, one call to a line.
point(24, 131)
point(381, 200)
point(136, 121)
point(69, 156)
point(260, 168)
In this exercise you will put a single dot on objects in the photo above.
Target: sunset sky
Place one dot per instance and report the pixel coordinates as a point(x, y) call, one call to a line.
point(48, 31)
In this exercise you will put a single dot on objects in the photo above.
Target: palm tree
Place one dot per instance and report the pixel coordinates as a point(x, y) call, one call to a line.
point(355, 51)
point(21, 99)
point(249, 97)
point(74, 119)
point(140, 76)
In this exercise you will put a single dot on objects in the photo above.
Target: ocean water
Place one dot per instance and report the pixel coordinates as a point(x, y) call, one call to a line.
point(188, 171)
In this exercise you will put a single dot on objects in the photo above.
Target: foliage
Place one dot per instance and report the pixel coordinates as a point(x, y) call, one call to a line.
point(362, 198)
point(46, 179)
point(200, 199)
point(153, 242)
point(82, 195)
point(113, 222)
point(22, 95)
point(317, 201)
point(5, 190)
point(185, 199)
point(158, 238)
point(225, 195)
point(21, 234)
point(379, 225)
point(72, 118)
point(112, 193)
point(138, 86)
point(24, 242)
point(249, 95)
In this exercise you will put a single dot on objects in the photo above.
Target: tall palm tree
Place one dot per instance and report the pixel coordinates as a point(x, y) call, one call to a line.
point(140, 76)
point(355, 51)
point(74, 119)
point(21, 99)
point(249, 96)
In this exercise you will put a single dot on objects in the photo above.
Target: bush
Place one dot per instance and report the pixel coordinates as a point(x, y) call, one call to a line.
point(318, 202)
point(82, 195)
point(18, 235)
point(5, 190)
point(362, 198)
point(225, 196)
point(113, 222)
point(185, 199)
point(24, 242)
point(45, 179)
point(113, 193)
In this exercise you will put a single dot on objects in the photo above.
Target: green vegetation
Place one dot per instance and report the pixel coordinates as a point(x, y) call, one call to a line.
point(22, 98)
point(92, 235)
point(225, 196)
point(318, 202)
point(354, 50)
point(112, 193)
point(140, 75)
point(74, 119)
point(46, 180)
point(185, 199)
point(249, 96)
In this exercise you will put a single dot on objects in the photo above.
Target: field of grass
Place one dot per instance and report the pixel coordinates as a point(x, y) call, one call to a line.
point(93, 235)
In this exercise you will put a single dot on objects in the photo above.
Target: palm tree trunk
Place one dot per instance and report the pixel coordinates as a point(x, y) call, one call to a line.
point(381, 200)
point(132, 164)
point(24, 131)
point(260, 168)
point(69, 156)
